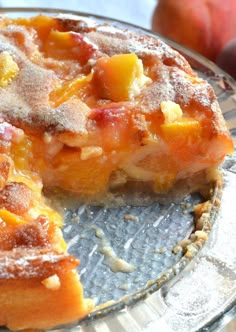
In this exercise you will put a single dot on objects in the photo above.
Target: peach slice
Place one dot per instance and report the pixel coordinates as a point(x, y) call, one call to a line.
point(119, 77)
point(69, 89)
point(8, 69)
point(69, 45)
point(182, 136)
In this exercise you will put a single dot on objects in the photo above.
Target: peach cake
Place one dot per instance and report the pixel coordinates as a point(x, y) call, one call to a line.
point(88, 108)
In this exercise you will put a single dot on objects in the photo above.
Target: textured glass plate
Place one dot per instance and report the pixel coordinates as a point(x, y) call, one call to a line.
point(142, 240)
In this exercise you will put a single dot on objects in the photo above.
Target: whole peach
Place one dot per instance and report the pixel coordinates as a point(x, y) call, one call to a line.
point(202, 25)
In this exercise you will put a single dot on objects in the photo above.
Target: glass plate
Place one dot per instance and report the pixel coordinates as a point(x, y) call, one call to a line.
point(129, 258)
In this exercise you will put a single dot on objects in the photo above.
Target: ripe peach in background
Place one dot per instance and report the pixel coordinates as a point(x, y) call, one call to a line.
point(203, 25)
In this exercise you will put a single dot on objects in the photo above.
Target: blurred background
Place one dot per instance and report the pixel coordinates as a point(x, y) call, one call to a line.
point(206, 26)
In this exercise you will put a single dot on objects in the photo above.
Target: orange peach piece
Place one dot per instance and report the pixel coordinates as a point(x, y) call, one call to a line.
point(8, 69)
point(91, 174)
point(59, 44)
point(69, 45)
point(182, 136)
point(42, 24)
point(183, 128)
point(202, 25)
point(11, 218)
point(69, 89)
point(119, 77)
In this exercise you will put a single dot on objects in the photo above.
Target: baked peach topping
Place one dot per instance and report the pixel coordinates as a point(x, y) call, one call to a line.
point(102, 110)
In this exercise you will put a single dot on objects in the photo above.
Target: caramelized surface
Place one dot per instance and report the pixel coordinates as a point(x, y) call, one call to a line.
point(65, 97)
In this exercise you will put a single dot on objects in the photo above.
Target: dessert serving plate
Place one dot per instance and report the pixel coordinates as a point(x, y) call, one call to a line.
point(141, 263)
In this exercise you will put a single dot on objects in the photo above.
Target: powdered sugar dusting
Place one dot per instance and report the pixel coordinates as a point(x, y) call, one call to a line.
point(34, 84)
point(25, 102)
point(31, 263)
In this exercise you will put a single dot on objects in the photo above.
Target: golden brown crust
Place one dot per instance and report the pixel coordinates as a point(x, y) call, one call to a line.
point(25, 102)
point(29, 111)
point(27, 251)
point(15, 197)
